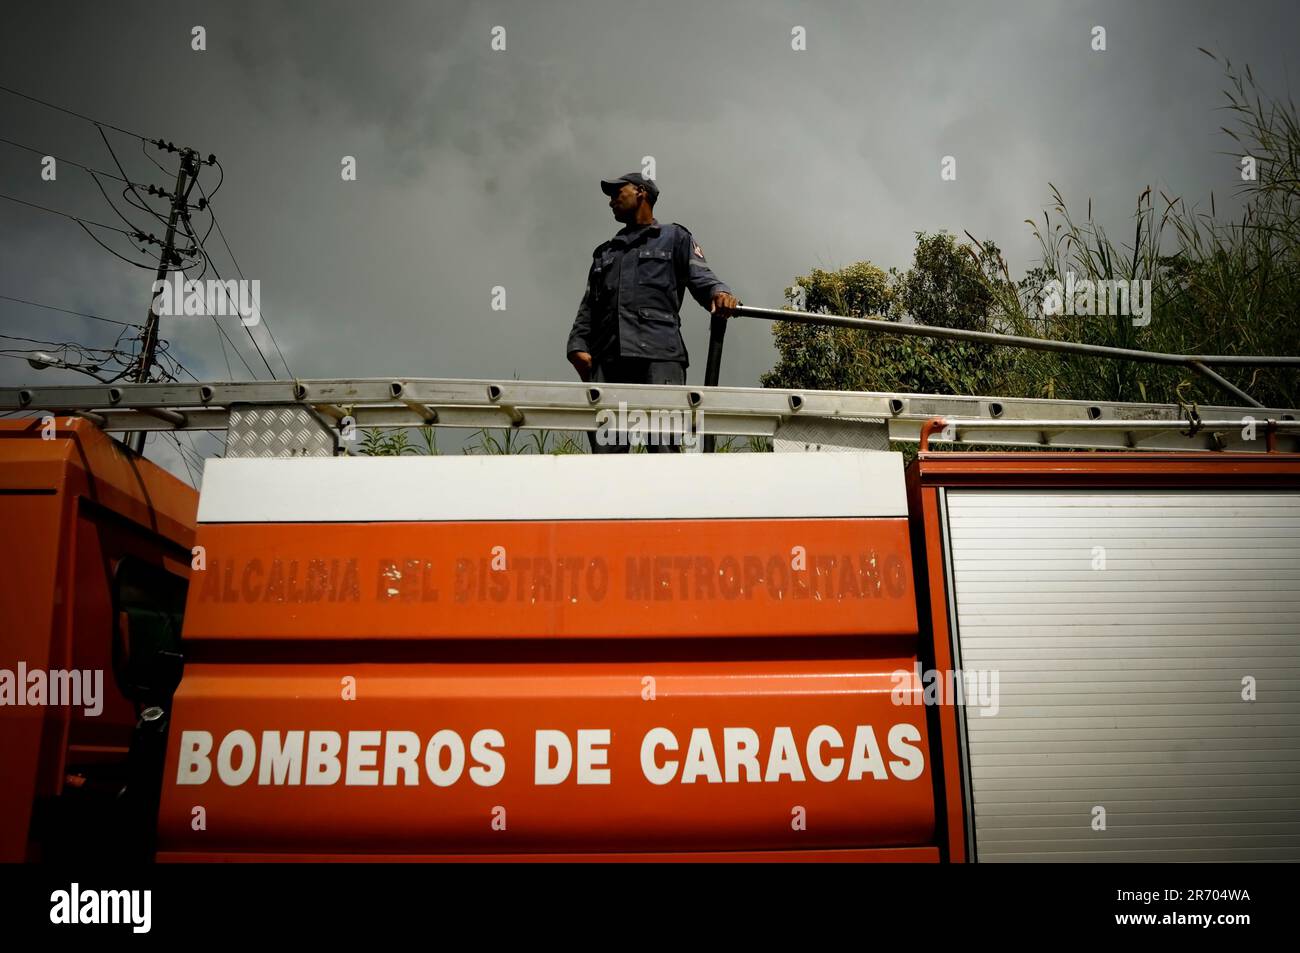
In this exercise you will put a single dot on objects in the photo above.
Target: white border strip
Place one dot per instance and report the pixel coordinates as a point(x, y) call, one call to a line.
point(553, 487)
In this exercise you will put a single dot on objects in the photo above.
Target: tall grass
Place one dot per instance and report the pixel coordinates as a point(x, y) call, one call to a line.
point(396, 442)
point(1217, 286)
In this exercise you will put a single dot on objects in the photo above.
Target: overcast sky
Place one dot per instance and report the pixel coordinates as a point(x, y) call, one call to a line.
point(479, 168)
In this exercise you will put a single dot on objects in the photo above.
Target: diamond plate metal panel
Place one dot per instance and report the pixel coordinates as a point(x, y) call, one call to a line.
point(283, 430)
point(827, 435)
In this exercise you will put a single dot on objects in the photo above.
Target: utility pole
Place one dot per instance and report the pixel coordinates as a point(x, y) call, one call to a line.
point(185, 178)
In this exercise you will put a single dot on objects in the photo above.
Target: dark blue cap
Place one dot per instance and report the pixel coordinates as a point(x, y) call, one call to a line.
point(611, 186)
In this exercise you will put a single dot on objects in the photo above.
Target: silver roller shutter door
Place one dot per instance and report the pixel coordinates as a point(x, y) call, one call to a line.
point(1121, 687)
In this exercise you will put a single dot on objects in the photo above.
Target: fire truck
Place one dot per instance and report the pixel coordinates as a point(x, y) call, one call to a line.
point(1084, 649)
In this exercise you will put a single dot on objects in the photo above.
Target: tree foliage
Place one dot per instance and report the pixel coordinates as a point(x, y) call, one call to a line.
point(947, 286)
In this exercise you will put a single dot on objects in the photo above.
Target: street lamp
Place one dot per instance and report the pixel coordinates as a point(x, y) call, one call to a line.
point(41, 360)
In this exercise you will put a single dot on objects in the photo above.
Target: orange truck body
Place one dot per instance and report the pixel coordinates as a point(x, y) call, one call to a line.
point(74, 504)
point(368, 679)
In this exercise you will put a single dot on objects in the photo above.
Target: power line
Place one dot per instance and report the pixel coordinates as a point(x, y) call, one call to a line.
point(25, 354)
point(83, 222)
point(220, 182)
point(222, 332)
point(193, 450)
point(180, 368)
point(100, 125)
point(71, 162)
point(83, 347)
point(116, 254)
point(161, 168)
point(128, 182)
point(185, 223)
point(70, 112)
point(126, 197)
point(164, 354)
point(240, 271)
point(87, 359)
point(164, 351)
point(193, 446)
point(163, 264)
point(83, 314)
point(94, 178)
point(224, 355)
point(180, 452)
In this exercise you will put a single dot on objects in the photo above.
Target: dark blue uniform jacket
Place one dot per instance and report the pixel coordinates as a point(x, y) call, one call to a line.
point(635, 289)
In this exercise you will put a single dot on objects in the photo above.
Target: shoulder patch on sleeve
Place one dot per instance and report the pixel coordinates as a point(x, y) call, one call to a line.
point(696, 250)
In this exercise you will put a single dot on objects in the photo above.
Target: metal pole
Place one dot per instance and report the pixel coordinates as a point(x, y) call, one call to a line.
point(1224, 383)
point(713, 368)
point(1013, 340)
point(180, 199)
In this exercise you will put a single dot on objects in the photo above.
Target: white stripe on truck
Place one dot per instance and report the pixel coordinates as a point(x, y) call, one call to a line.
point(547, 487)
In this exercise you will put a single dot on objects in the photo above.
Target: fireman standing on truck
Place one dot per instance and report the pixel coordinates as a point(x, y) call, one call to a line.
point(628, 330)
